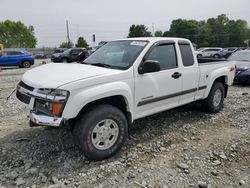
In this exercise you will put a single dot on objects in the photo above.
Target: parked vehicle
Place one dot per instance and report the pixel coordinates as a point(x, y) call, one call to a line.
point(227, 52)
point(68, 55)
point(122, 81)
point(40, 55)
point(59, 50)
point(242, 59)
point(209, 52)
point(21, 58)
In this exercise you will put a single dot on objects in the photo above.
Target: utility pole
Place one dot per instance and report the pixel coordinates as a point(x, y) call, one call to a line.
point(67, 25)
point(153, 29)
point(77, 34)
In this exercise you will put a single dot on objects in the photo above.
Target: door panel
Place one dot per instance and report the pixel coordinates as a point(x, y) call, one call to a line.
point(158, 91)
point(155, 92)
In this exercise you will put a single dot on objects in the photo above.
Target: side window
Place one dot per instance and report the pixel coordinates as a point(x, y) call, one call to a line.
point(165, 54)
point(16, 53)
point(187, 55)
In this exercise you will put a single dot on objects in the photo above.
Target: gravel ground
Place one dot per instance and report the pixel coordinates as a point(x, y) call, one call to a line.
point(184, 147)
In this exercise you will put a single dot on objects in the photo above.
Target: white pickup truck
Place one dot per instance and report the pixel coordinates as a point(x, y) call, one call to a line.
point(122, 81)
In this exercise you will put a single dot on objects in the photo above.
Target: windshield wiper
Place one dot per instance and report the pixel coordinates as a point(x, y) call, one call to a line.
point(101, 65)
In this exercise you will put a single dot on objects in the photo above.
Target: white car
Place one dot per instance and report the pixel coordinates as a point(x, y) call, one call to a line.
point(208, 52)
point(123, 81)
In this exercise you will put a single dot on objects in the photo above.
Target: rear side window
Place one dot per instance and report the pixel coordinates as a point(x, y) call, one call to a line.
point(14, 53)
point(165, 54)
point(186, 54)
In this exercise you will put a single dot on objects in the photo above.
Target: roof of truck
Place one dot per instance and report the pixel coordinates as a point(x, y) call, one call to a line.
point(153, 39)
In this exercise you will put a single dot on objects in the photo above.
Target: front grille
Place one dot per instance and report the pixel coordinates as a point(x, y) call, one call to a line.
point(22, 84)
point(22, 97)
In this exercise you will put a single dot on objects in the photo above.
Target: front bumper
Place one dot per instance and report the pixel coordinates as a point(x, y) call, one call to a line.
point(36, 103)
point(44, 120)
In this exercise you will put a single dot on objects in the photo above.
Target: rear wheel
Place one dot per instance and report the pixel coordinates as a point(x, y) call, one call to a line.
point(26, 64)
point(214, 102)
point(101, 132)
point(216, 56)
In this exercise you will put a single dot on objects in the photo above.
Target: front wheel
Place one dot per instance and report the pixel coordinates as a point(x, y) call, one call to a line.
point(65, 60)
point(214, 102)
point(199, 56)
point(101, 132)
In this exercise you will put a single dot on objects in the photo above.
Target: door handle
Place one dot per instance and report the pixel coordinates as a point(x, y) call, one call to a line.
point(176, 75)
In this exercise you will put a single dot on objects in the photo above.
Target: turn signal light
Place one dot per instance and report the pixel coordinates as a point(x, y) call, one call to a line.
point(56, 109)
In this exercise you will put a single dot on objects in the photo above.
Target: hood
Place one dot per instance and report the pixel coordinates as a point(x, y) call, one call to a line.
point(56, 54)
point(56, 75)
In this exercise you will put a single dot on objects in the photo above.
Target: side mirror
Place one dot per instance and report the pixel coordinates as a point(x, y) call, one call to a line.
point(149, 66)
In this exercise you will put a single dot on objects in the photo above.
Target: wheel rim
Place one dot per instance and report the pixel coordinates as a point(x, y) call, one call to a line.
point(64, 60)
point(217, 97)
point(105, 134)
point(26, 64)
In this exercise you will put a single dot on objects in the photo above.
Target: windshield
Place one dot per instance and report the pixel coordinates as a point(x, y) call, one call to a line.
point(117, 54)
point(240, 56)
point(67, 51)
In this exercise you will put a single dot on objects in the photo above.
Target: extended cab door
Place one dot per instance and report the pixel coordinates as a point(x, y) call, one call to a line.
point(158, 91)
point(190, 72)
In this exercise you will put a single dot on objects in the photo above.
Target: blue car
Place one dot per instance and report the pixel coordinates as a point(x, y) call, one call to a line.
point(21, 58)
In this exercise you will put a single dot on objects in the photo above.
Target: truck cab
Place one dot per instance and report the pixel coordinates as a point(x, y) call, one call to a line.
point(122, 81)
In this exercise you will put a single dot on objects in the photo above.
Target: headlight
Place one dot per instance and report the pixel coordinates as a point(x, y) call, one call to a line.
point(56, 55)
point(53, 94)
point(51, 101)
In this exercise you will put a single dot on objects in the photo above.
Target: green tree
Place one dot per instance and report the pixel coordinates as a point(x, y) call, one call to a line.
point(158, 34)
point(17, 35)
point(66, 45)
point(219, 31)
point(82, 43)
point(139, 31)
point(238, 32)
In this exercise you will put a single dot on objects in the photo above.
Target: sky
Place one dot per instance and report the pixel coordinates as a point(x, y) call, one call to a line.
point(111, 19)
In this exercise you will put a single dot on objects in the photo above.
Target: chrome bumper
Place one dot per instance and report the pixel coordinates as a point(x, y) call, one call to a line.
point(44, 120)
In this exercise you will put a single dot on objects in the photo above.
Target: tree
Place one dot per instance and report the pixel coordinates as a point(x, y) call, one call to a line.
point(139, 31)
point(82, 43)
point(66, 45)
point(158, 34)
point(17, 35)
point(219, 31)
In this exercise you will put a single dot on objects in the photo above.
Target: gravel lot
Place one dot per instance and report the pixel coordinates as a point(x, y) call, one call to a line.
point(184, 147)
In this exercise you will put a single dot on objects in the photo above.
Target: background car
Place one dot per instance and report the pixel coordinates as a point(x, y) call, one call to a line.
point(69, 55)
point(209, 52)
point(242, 74)
point(227, 52)
point(21, 58)
point(40, 55)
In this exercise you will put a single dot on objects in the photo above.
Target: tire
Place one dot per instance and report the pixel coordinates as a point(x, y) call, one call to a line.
point(215, 100)
point(65, 60)
point(25, 64)
point(95, 142)
point(199, 56)
point(216, 56)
